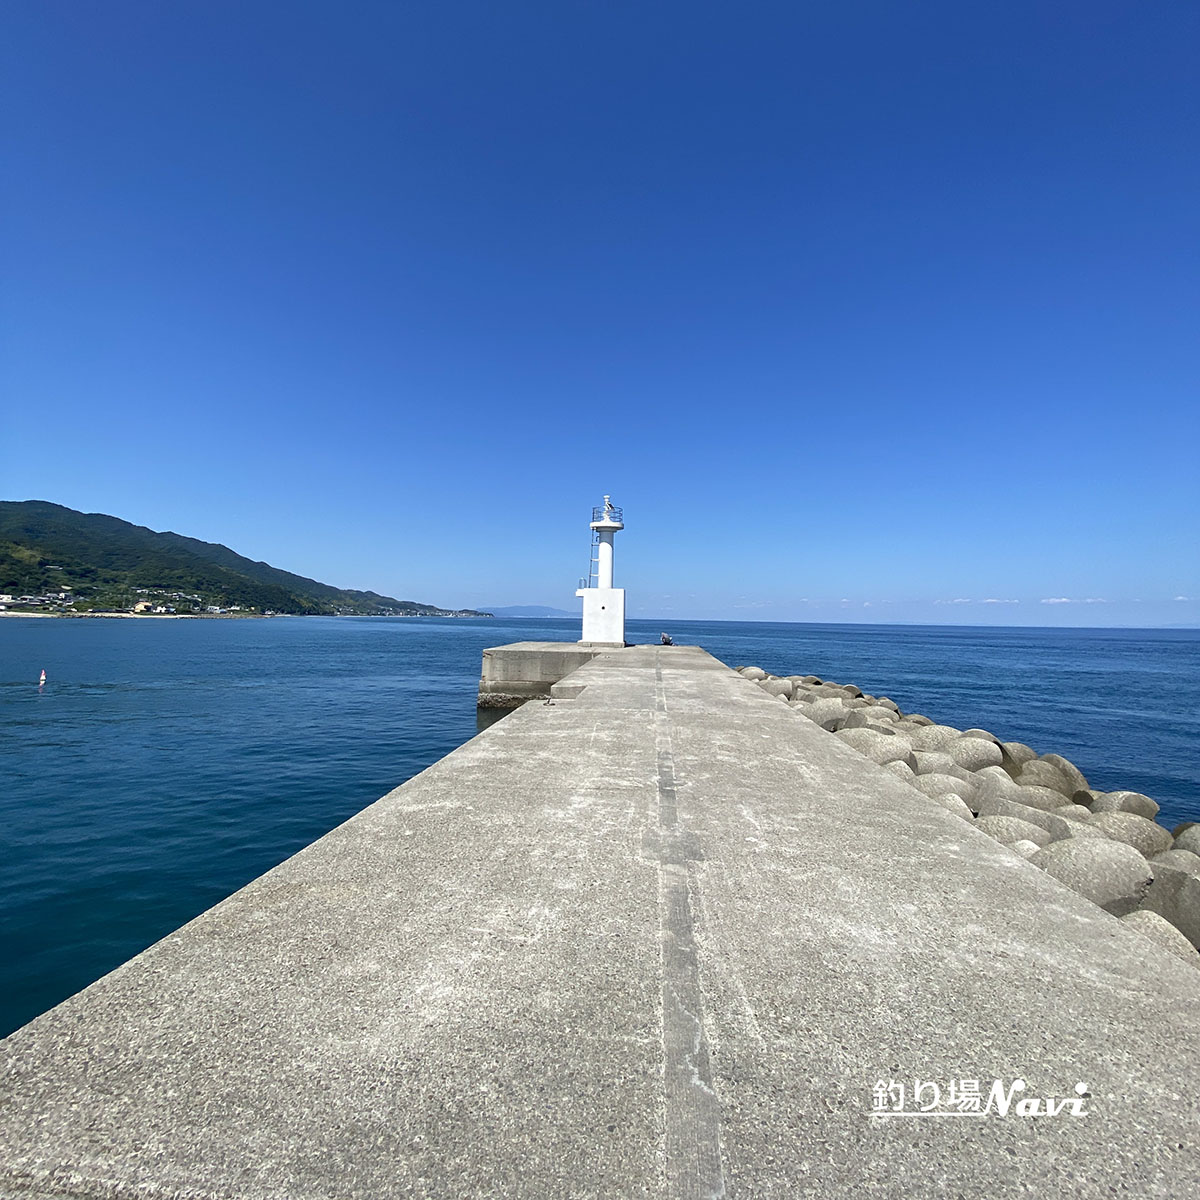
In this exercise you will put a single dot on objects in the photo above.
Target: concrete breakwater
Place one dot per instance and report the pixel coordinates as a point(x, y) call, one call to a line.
point(654, 936)
point(1106, 846)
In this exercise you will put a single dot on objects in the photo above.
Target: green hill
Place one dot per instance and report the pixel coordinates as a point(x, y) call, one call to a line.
point(107, 563)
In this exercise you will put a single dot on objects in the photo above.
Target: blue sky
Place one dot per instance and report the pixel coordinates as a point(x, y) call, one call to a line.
point(867, 311)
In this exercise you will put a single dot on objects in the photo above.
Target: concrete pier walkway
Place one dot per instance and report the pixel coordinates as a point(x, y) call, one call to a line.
point(662, 938)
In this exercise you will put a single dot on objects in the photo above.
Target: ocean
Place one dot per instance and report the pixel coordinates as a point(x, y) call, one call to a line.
point(164, 764)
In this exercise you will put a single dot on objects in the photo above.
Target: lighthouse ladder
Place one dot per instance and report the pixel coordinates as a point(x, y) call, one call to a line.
point(594, 565)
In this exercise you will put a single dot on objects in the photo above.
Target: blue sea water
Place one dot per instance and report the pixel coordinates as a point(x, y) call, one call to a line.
point(167, 763)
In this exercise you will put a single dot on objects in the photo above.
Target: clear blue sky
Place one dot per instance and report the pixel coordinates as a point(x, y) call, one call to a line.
point(863, 311)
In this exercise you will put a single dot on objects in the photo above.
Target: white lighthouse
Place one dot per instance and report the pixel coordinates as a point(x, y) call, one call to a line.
point(603, 604)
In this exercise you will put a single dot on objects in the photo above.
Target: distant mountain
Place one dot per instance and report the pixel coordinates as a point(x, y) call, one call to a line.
point(104, 562)
point(530, 610)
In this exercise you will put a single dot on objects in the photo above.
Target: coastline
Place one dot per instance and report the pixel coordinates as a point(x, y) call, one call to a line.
point(242, 616)
point(75, 616)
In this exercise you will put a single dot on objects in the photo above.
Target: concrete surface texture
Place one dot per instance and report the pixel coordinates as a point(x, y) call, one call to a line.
point(664, 938)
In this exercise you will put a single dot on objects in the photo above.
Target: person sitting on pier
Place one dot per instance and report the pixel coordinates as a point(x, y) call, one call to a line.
point(666, 640)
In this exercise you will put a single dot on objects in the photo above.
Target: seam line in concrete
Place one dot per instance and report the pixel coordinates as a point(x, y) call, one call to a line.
point(692, 1111)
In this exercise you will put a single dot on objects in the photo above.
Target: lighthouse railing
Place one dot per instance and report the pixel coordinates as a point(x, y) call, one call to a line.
point(611, 513)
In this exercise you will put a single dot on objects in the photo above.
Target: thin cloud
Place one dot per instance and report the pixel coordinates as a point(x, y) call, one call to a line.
point(956, 600)
point(1058, 600)
point(993, 600)
point(1183, 598)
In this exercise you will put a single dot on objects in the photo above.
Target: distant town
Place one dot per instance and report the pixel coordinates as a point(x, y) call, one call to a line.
point(158, 602)
point(155, 602)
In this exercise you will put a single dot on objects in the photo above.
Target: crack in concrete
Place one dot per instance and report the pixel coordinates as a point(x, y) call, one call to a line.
point(692, 1110)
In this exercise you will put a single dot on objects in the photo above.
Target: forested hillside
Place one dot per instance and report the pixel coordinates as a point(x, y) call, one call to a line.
point(104, 562)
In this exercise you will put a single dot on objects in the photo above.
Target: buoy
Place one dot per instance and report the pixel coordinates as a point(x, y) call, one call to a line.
point(43, 679)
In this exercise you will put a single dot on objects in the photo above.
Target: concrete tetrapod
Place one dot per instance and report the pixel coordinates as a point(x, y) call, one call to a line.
point(855, 720)
point(995, 805)
point(1012, 829)
point(955, 804)
point(1189, 840)
point(1033, 796)
point(998, 775)
point(1110, 874)
point(1175, 892)
point(826, 712)
point(870, 717)
point(935, 737)
point(1133, 802)
point(973, 753)
point(930, 762)
point(937, 784)
point(992, 781)
point(1025, 849)
point(1041, 773)
point(1017, 753)
point(1143, 835)
point(878, 746)
point(1073, 774)
point(1159, 929)
point(1073, 812)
